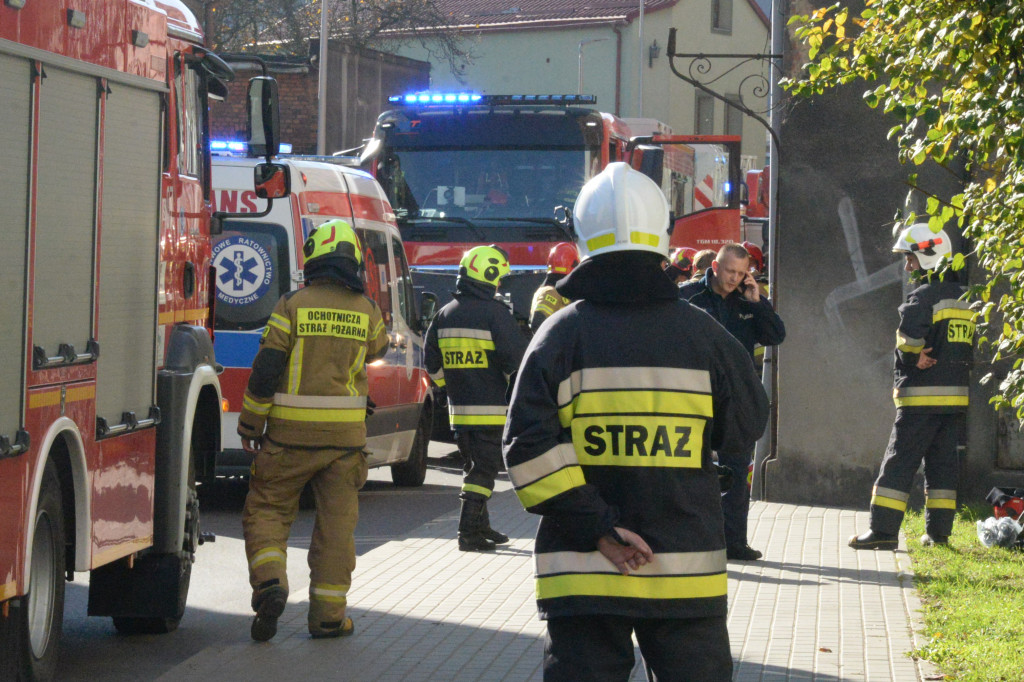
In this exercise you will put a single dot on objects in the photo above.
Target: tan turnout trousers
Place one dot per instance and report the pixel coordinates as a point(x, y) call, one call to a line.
point(276, 482)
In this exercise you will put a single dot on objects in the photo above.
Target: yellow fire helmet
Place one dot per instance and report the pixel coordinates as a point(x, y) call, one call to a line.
point(486, 264)
point(334, 238)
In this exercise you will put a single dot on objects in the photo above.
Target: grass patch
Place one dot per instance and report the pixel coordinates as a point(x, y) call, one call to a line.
point(973, 602)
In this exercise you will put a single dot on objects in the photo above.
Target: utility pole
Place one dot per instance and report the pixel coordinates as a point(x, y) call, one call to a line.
point(640, 63)
point(579, 86)
point(321, 109)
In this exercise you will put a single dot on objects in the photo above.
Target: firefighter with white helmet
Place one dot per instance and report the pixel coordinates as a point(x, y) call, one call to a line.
point(472, 347)
point(616, 408)
point(934, 343)
point(562, 258)
point(303, 417)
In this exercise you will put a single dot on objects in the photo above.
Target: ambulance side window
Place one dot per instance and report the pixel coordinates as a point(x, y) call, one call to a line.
point(251, 260)
point(376, 264)
point(403, 283)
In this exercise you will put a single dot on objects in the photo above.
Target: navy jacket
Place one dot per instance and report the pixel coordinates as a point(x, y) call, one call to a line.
point(750, 323)
point(617, 406)
point(472, 347)
point(934, 317)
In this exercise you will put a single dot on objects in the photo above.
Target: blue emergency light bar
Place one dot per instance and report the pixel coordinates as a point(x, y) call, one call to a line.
point(442, 98)
point(239, 147)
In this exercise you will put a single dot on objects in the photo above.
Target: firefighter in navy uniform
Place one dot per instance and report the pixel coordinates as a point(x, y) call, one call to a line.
point(617, 406)
point(562, 258)
point(473, 346)
point(934, 343)
point(303, 417)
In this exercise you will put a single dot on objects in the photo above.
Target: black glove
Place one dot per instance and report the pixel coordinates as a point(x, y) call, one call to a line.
point(369, 406)
point(725, 478)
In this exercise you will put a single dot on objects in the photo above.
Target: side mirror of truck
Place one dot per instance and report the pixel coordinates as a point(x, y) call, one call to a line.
point(264, 119)
point(427, 305)
point(272, 180)
point(650, 160)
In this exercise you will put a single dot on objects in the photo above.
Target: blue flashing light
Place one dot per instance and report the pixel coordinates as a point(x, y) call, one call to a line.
point(727, 186)
point(428, 97)
point(234, 146)
point(239, 147)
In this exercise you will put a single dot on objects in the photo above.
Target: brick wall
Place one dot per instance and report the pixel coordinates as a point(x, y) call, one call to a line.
point(298, 98)
point(352, 110)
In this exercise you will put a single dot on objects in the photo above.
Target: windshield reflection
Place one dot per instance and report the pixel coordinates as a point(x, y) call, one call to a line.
point(482, 185)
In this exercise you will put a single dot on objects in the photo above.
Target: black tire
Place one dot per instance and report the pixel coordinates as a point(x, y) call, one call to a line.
point(412, 472)
point(169, 567)
point(30, 635)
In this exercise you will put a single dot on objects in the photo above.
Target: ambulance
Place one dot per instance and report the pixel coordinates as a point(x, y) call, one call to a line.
point(258, 257)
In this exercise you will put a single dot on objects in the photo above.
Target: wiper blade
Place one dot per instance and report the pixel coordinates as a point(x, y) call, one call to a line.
point(437, 218)
point(457, 220)
point(553, 222)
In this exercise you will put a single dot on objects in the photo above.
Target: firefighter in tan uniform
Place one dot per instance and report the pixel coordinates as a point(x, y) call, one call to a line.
point(304, 419)
point(546, 300)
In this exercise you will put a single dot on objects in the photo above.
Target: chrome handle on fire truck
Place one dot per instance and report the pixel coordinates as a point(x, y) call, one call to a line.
point(66, 355)
point(129, 423)
point(19, 446)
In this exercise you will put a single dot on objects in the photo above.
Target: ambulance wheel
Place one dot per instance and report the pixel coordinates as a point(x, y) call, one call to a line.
point(412, 472)
point(170, 575)
point(30, 634)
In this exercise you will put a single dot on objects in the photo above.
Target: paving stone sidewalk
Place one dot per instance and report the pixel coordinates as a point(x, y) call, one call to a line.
point(812, 609)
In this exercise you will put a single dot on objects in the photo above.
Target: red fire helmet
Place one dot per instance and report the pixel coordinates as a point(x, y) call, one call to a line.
point(563, 258)
point(756, 256)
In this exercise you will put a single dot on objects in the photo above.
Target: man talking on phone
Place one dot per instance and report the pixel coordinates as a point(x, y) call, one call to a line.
point(729, 293)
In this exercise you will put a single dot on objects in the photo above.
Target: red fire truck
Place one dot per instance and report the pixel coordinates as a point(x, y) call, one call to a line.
point(462, 169)
point(111, 402)
point(700, 176)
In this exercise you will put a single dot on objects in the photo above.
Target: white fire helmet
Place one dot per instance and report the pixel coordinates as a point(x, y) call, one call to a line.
point(621, 209)
point(928, 246)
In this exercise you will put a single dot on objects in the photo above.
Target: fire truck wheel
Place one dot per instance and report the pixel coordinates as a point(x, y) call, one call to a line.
point(412, 472)
point(30, 635)
point(175, 570)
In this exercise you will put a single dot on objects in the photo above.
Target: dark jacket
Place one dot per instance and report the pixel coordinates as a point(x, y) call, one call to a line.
point(934, 317)
point(619, 401)
point(472, 347)
point(750, 323)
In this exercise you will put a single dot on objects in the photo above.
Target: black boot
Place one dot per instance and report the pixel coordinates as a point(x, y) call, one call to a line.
point(471, 537)
point(874, 540)
point(488, 532)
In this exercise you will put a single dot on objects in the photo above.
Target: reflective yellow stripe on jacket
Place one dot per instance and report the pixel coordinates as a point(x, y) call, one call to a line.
point(672, 575)
point(477, 415)
point(931, 396)
point(552, 473)
point(315, 408)
point(952, 309)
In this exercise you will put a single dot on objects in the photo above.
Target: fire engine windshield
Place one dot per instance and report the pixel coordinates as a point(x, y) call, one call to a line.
point(485, 186)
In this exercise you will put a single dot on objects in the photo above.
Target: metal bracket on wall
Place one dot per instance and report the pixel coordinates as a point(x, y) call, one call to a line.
point(700, 73)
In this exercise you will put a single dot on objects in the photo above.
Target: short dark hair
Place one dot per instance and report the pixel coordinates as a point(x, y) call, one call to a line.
point(733, 249)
